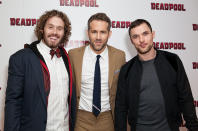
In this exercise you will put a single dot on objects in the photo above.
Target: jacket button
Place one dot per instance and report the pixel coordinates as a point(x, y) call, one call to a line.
point(78, 97)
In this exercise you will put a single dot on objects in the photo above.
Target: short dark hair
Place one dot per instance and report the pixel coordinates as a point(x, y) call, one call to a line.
point(49, 14)
point(139, 22)
point(102, 17)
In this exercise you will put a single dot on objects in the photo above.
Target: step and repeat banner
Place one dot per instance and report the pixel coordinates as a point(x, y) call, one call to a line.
point(174, 21)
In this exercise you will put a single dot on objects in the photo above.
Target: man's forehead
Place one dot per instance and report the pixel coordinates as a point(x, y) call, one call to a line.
point(140, 28)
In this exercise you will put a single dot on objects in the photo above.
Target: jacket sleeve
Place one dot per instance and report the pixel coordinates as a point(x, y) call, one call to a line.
point(14, 94)
point(186, 101)
point(121, 106)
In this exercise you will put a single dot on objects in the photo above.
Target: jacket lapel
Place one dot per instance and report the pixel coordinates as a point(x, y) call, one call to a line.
point(37, 60)
point(38, 71)
point(78, 69)
point(111, 65)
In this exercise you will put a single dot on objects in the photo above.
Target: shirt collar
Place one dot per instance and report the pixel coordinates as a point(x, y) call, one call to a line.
point(93, 54)
point(45, 49)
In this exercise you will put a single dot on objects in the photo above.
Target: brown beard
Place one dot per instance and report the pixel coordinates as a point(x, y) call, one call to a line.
point(144, 52)
point(103, 46)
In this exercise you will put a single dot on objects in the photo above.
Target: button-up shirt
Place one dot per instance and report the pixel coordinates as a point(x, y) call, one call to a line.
point(57, 109)
point(87, 80)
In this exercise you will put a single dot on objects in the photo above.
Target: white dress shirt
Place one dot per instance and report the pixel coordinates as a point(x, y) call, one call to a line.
point(57, 109)
point(87, 80)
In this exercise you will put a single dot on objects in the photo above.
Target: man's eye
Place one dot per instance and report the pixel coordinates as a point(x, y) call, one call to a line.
point(145, 33)
point(60, 28)
point(93, 31)
point(134, 36)
point(103, 32)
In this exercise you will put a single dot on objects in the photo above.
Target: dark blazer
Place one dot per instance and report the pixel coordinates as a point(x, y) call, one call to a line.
point(175, 91)
point(25, 105)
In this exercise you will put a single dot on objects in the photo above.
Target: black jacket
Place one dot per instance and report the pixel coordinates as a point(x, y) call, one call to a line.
point(175, 90)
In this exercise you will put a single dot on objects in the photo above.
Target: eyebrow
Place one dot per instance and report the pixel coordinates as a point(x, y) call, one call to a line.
point(142, 32)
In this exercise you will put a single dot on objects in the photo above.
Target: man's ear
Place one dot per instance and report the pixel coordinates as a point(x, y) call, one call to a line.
point(41, 31)
point(110, 33)
point(87, 32)
point(153, 34)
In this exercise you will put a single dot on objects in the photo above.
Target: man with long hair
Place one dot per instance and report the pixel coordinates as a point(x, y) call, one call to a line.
point(40, 95)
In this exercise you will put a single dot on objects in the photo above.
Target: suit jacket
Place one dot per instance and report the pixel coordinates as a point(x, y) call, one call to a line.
point(116, 60)
point(26, 103)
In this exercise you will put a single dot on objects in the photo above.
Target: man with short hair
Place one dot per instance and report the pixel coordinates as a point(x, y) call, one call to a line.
point(95, 72)
point(153, 88)
point(40, 95)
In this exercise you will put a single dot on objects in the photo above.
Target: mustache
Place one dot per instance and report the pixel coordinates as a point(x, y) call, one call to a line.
point(53, 35)
point(98, 40)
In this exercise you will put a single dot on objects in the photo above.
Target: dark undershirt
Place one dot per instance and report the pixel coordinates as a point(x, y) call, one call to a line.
point(151, 111)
